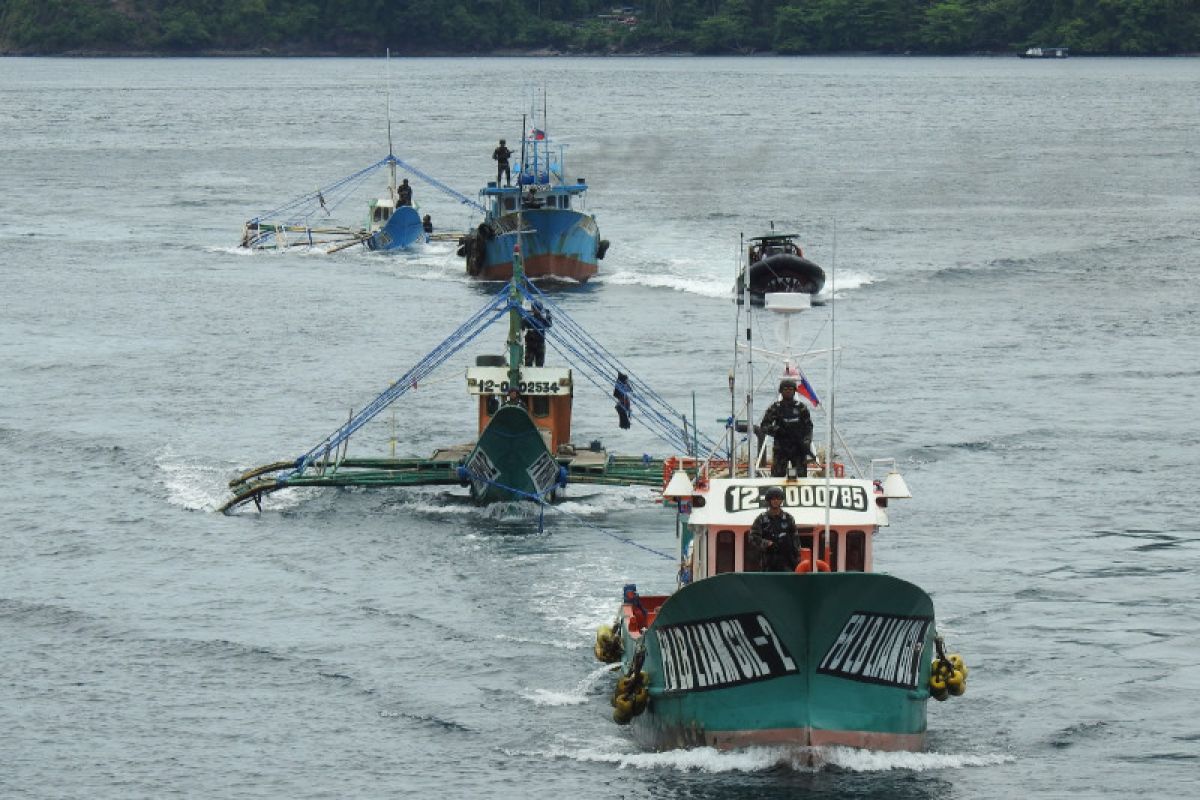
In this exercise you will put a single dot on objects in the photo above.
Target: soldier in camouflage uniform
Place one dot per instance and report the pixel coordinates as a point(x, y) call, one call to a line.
point(788, 422)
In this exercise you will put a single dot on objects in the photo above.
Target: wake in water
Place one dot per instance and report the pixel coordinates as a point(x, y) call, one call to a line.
point(575, 696)
point(766, 759)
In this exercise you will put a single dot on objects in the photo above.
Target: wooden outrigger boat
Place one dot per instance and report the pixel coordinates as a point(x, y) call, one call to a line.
point(307, 222)
point(523, 450)
point(829, 653)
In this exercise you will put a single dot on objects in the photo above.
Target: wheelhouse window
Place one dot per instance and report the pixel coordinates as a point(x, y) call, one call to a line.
point(510, 204)
point(804, 538)
point(856, 551)
point(725, 552)
point(830, 557)
point(539, 405)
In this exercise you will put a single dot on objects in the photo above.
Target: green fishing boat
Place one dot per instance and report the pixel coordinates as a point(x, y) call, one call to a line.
point(780, 632)
point(520, 446)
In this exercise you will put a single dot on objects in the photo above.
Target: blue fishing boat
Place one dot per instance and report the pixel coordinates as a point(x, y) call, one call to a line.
point(546, 207)
point(393, 222)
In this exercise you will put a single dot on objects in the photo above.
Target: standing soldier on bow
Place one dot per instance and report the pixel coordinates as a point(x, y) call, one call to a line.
point(501, 155)
point(788, 422)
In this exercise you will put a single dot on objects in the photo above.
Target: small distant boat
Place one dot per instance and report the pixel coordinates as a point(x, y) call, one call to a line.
point(776, 264)
point(309, 221)
point(546, 207)
point(393, 220)
point(1045, 52)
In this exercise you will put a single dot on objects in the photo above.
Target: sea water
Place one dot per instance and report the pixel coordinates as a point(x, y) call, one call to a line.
point(1012, 247)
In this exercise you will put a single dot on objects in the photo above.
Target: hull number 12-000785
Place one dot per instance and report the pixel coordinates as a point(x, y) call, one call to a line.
point(746, 498)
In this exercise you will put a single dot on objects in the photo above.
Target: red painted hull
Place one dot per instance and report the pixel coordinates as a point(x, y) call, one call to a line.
point(542, 266)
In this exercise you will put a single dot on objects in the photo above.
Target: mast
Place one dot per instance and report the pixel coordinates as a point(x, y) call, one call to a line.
point(516, 352)
point(387, 76)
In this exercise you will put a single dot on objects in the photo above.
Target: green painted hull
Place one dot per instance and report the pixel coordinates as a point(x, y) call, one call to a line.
point(795, 660)
point(511, 460)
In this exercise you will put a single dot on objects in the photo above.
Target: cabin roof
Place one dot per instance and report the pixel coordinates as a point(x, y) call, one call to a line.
point(737, 502)
point(775, 238)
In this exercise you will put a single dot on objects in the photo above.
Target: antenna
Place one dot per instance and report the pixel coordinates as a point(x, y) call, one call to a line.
point(751, 438)
point(832, 393)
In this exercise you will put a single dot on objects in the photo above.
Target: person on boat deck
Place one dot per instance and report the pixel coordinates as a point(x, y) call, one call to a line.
point(621, 393)
point(788, 422)
point(501, 155)
point(513, 398)
point(535, 335)
point(405, 193)
point(427, 224)
point(773, 534)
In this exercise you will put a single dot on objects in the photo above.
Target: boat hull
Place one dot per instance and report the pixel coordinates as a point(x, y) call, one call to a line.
point(402, 230)
point(780, 659)
point(555, 243)
point(511, 461)
point(782, 272)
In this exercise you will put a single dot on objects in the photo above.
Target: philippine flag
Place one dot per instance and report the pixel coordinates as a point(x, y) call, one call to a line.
point(803, 387)
point(537, 135)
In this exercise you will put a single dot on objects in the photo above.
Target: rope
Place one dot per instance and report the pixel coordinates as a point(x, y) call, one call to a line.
point(435, 183)
point(600, 366)
point(540, 500)
point(481, 320)
point(300, 211)
point(463, 472)
point(324, 199)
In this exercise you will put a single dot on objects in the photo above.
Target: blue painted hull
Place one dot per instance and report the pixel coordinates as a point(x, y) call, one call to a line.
point(403, 229)
point(555, 242)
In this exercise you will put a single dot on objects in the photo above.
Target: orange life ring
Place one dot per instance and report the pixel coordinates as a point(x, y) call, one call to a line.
point(806, 565)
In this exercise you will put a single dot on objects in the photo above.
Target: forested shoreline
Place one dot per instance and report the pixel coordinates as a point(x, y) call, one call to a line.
point(484, 27)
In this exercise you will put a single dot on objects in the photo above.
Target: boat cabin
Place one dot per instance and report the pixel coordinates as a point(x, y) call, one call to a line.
point(379, 212)
point(776, 244)
point(502, 200)
point(545, 392)
point(721, 517)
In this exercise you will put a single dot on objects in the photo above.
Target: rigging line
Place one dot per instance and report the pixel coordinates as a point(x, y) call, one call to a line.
point(573, 338)
point(539, 499)
point(326, 191)
point(617, 537)
point(598, 348)
point(451, 345)
point(435, 183)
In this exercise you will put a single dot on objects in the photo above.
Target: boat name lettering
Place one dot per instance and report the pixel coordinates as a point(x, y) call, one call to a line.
point(489, 386)
point(748, 498)
point(483, 471)
point(878, 648)
point(721, 652)
point(543, 473)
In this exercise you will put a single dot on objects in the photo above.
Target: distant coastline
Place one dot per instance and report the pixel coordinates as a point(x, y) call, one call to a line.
point(591, 28)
